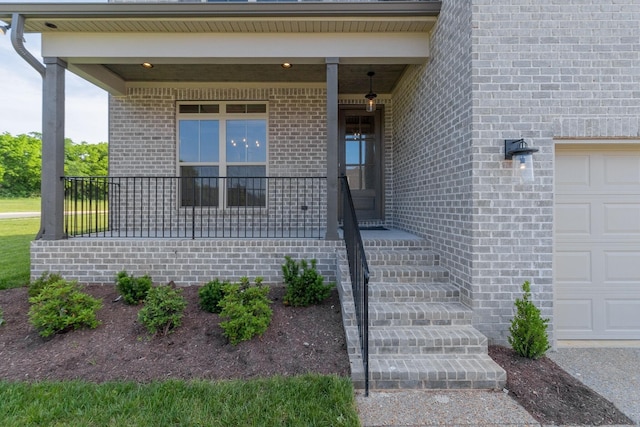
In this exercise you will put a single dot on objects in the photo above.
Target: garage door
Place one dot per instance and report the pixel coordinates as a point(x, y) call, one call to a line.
point(597, 242)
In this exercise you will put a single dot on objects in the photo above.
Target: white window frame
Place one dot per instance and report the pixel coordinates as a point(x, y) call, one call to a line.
point(222, 117)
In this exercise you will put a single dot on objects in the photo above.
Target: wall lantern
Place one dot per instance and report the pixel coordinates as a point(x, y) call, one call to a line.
point(371, 96)
point(522, 158)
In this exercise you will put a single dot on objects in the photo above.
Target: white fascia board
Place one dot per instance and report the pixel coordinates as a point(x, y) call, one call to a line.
point(255, 48)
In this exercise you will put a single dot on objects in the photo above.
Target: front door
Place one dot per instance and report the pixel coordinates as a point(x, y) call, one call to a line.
point(361, 159)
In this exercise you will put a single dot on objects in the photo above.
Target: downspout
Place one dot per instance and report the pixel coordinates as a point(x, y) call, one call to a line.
point(17, 40)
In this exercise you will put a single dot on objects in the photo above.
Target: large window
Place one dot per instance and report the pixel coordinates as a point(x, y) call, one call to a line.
point(238, 165)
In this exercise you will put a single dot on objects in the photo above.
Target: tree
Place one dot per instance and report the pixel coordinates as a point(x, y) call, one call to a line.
point(528, 331)
point(86, 159)
point(21, 162)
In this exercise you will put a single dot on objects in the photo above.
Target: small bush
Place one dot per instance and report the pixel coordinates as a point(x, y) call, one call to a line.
point(246, 309)
point(528, 331)
point(211, 294)
point(304, 285)
point(133, 289)
point(163, 309)
point(61, 306)
point(45, 279)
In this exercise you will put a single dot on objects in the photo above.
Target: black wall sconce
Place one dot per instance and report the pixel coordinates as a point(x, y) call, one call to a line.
point(521, 156)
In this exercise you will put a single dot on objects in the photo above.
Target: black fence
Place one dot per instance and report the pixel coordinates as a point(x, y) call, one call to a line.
point(195, 207)
point(359, 271)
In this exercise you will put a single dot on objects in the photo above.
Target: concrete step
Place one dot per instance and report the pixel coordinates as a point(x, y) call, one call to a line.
point(426, 340)
point(418, 314)
point(418, 257)
point(477, 371)
point(413, 292)
point(407, 274)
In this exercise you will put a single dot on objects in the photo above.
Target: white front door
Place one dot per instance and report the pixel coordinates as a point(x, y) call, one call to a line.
point(597, 242)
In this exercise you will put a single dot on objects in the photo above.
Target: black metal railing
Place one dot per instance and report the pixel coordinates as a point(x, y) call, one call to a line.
point(195, 207)
point(359, 271)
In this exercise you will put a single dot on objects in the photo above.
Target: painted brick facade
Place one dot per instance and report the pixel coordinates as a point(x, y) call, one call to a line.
point(547, 71)
point(186, 262)
point(543, 71)
point(432, 179)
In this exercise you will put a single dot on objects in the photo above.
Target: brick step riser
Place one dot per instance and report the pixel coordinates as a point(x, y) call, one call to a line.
point(396, 245)
point(411, 293)
point(400, 260)
point(390, 278)
point(427, 349)
point(435, 372)
point(419, 322)
point(404, 384)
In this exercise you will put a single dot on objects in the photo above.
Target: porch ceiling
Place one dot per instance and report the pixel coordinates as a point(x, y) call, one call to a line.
point(352, 78)
point(75, 24)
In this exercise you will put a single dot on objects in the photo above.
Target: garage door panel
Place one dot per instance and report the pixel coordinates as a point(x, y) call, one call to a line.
point(621, 266)
point(597, 242)
point(573, 218)
point(621, 218)
point(573, 170)
point(573, 267)
point(574, 315)
point(621, 170)
point(622, 315)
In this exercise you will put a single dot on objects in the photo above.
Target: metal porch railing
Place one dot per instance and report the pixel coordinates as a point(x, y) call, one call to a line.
point(195, 207)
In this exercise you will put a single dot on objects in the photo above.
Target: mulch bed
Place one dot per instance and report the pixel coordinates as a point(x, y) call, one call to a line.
point(551, 395)
point(298, 341)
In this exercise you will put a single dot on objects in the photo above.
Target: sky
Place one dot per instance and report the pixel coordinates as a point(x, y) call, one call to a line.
point(86, 116)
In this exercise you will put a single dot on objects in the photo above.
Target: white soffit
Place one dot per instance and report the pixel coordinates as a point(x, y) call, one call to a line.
point(238, 25)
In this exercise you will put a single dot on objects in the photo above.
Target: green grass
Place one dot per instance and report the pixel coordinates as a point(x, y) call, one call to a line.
point(31, 204)
point(15, 237)
point(309, 400)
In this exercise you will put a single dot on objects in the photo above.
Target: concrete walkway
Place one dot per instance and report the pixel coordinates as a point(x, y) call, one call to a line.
point(441, 408)
point(614, 373)
point(12, 215)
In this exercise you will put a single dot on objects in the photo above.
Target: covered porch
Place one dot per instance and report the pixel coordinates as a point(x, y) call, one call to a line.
point(154, 59)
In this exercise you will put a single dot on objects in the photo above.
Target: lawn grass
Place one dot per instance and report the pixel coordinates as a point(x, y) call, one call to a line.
point(309, 400)
point(30, 204)
point(15, 237)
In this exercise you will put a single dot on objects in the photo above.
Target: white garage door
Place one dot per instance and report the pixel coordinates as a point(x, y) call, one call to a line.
point(597, 242)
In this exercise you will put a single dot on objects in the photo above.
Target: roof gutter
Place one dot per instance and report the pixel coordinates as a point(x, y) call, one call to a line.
point(212, 9)
point(17, 40)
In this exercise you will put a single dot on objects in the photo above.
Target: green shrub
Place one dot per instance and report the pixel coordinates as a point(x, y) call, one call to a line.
point(61, 306)
point(246, 309)
point(528, 331)
point(304, 285)
point(45, 279)
point(163, 309)
point(133, 289)
point(211, 294)
point(1, 317)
